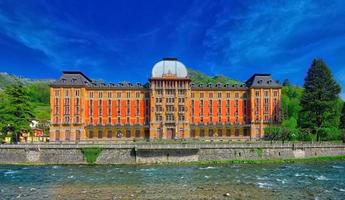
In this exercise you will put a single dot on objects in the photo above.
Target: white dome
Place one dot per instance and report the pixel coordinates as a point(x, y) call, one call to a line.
point(169, 66)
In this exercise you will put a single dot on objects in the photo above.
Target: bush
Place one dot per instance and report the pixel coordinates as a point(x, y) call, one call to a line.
point(91, 154)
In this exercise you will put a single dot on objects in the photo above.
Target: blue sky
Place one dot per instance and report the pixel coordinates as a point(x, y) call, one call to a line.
point(121, 40)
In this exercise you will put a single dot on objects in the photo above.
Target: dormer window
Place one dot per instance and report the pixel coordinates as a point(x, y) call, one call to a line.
point(63, 80)
point(74, 80)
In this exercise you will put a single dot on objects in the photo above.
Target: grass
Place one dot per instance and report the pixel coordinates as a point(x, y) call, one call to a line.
point(91, 154)
point(259, 152)
point(270, 161)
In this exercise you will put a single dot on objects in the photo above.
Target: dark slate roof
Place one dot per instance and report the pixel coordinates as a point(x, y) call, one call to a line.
point(262, 81)
point(120, 85)
point(218, 86)
point(78, 79)
point(72, 78)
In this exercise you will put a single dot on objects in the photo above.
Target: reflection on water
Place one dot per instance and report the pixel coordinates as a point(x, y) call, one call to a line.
point(319, 180)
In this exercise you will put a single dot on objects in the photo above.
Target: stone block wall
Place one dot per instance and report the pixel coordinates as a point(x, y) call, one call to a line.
point(147, 154)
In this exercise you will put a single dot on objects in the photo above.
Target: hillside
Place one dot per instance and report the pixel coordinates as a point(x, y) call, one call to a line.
point(38, 92)
point(199, 77)
point(8, 79)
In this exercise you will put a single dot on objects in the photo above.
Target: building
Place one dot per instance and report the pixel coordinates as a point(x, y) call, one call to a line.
point(169, 106)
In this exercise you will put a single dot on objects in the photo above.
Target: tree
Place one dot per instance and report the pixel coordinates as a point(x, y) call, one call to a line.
point(342, 118)
point(321, 94)
point(342, 122)
point(15, 110)
point(286, 82)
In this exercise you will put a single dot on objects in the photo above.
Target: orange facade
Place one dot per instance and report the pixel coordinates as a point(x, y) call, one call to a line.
point(168, 107)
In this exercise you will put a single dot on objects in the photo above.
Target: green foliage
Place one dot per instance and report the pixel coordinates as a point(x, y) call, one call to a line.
point(259, 152)
point(15, 109)
point(39, 92)
point(321, 94)
point(91, 154)
point(342, 118)
point(290, 101)
point(198, 77)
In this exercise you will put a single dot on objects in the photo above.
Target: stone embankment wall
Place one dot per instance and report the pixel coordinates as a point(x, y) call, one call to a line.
point(142, 154)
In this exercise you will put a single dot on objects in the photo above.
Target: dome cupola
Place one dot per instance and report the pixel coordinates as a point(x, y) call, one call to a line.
point(169, 67)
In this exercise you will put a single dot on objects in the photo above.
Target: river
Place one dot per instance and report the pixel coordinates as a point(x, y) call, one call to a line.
point(313, 180)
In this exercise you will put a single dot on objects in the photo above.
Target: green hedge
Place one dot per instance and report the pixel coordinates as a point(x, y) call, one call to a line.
point(91, 154)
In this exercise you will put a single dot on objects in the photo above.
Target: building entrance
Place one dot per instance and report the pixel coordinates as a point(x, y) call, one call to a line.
point(170, 133)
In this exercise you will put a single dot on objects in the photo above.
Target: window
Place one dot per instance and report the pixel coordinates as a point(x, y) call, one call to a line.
point(137, 133)
point(211, 107)
point(109, 135)
point(91, 134)
point(210, 133)
point(219, 95)
point(100, 111)
point(192, 133)
point(119, 134)
point(67, 135)
point(77, 93)
point(202, 132)
point(91, 107)
point(245, 132)
point(118, 105)
point(100, 134)
point(220, 134)
point(275, 93)
point(158, 117)
point(128, 133)
point(137, 107)
point(77, 135)
point(66, 93)
point(57, 93)
point(237, 132)
point(228, 132)
point(57, 135)
point(128, 106)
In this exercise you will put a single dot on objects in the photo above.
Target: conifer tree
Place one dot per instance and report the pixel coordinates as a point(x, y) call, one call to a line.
point(321, 93)
point(342, 121)
point(286, 82)
point(16, 110)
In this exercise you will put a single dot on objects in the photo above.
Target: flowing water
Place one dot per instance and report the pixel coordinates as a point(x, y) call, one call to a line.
point(317, 180)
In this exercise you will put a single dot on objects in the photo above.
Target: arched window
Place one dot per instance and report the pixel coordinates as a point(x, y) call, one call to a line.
point(77, 135)
point(57, 135)
point(109, 135)
point(67, 135)
point(91, 134)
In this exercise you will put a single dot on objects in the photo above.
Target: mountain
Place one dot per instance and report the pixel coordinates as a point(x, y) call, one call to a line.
point(199, 77)
point(8, 79)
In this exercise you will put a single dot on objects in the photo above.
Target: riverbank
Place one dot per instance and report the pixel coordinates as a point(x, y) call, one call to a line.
point(254, 153)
